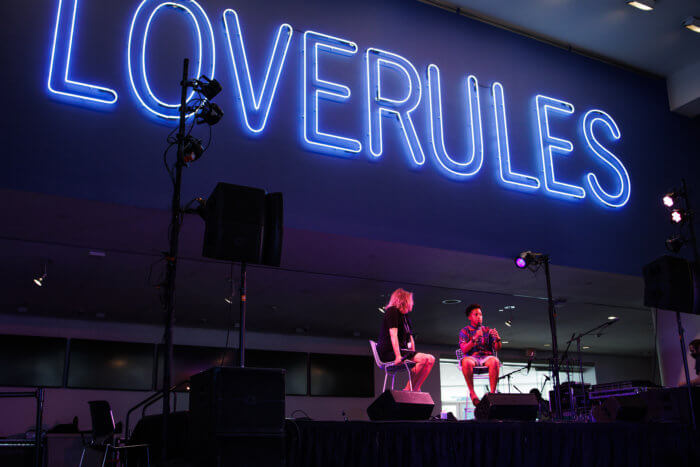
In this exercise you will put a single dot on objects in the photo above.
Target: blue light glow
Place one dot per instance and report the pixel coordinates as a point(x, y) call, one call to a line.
point(314, 88)
point(58, 82)
point(255, 109)
point(506, 173)
point(136, 52)
point(550, 144)
point(475, 159)
point(622, 196)
point(379, 105)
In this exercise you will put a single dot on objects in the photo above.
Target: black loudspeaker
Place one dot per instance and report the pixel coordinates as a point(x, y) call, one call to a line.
point(231, 401)
point(401, 405)
point(668, 284)
point(631, 408)
point(243, 224)
point(507, 407)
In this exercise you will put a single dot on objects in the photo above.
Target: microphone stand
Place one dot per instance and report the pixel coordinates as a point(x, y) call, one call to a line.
point(577, 338)
point(508, 375)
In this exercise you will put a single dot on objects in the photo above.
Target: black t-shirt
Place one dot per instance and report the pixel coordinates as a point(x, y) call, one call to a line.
point(393, 318)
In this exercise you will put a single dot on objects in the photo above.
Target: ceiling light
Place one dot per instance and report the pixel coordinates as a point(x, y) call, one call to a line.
point(586, 347)
point(451, 301)
point(644, 5)
point(505, 342)
point(101, 254)
point(548, 345)
point(229, 299)
point(509, 323)
point(509, 307)
point(40, 280)
point(692, 23)
point(612, 317)
point(381, 310)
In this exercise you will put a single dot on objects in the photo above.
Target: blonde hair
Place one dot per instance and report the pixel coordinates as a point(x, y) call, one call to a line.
point(401, 299)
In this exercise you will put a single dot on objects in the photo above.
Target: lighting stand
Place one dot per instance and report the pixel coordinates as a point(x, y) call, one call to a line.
point(681, 331)
point(553, 329)
point(171, 268)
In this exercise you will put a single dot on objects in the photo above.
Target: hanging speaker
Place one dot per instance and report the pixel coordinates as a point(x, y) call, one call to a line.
point(668, 284)
point(243, 224)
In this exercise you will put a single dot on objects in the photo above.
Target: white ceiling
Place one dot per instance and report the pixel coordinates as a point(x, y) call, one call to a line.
point(653, 41)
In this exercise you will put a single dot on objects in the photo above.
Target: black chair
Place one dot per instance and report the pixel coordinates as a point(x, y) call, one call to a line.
point(103, 437)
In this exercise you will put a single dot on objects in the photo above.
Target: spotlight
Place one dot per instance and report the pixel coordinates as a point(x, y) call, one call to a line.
point(674, 244)
point(207, 87)
point(692, 23)
point(193, 149)
point(210, 113)
point(644, 5)
point(669, 199)
point(39, 281)
point(527, 258)
point(509, 323)
point(229, 299)
point(677, 216)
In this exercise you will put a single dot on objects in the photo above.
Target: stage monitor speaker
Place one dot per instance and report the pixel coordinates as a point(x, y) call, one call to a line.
point(228, 401)
point(507, 407)
point(631, 408)
point(243, 224)
point(401, 405)
point(668, 284)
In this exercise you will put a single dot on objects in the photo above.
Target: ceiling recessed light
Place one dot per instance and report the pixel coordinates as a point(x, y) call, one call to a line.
point(381, 310)
point(612, 317)
point(692, 23)
point(509, 307)
point(548, 345)
point(505, 342)
point(586, 347)
point(644, 5)
point(451, 301)
point(509, 323)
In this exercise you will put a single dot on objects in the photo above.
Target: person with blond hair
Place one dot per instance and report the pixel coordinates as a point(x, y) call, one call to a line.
point(396, 343)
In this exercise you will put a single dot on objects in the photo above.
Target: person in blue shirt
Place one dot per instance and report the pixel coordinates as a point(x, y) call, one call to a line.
point(478, 345)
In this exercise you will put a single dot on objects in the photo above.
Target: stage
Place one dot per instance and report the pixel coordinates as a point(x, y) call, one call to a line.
point(444, 443)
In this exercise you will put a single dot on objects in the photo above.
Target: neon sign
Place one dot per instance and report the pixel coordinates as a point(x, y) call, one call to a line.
point(393, 91)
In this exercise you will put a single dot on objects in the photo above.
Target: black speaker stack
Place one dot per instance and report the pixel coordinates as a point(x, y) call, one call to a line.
point(243, 224)
point(507, 407)
point(401, 405)
point(237, 417)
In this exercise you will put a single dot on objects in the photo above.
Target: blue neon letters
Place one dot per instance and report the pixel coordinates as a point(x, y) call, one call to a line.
point(392, 88)
point(620, 198)
point(549, 145)
point(59, 83)
point(136, 50)
point(313, 88)
point(255, 109)
point(379, 104)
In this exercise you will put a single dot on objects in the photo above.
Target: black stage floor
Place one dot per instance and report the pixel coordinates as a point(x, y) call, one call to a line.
point(444, 443)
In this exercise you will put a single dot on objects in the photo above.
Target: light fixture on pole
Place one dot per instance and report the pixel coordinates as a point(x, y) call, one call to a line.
point(692, 23)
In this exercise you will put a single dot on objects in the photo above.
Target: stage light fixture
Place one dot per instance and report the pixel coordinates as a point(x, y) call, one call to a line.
point(193, 149)
point(39, 281)
point(692, 23)
point(644, 5)
point(209, 113)
point(229, 299)
point(207, 87)
point(674, 244)
point(669, 199)
point(677, 216)
point(612, 317)
point(526, 258)
point(509, 323)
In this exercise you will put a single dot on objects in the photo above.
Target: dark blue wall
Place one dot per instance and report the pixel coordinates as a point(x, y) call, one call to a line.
point(114, 153)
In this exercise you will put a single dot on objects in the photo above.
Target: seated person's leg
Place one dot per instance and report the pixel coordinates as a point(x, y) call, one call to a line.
point(424, 364)
point(468, 364)
point(494, 366)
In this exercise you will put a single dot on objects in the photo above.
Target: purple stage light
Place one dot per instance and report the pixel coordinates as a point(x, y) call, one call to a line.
point(668, 201)
point(676, 216)
point(520, 262)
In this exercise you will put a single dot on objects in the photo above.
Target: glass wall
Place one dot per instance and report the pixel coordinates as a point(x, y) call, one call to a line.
point(455, 395)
